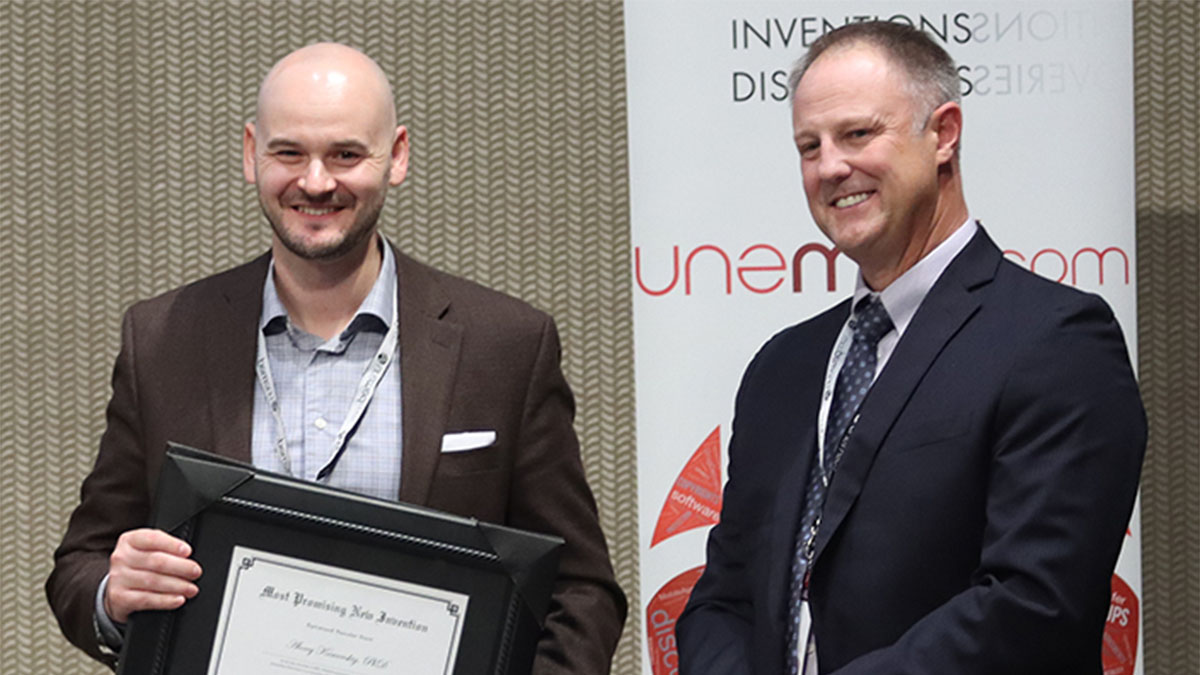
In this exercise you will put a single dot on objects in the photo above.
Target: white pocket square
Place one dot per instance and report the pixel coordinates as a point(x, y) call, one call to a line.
point(467, 440)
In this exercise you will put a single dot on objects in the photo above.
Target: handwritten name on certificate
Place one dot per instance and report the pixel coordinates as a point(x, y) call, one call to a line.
point(288, 615)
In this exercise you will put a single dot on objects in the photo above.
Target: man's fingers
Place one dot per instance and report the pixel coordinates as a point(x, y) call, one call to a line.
point(124, 579)
point(133, 590)
point(148, 539)
point(154, 551)
point(121, 603)
point(156, 562)
point(149, 569)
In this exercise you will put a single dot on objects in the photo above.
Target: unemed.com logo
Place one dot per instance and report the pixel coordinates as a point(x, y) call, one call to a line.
point(759, 269)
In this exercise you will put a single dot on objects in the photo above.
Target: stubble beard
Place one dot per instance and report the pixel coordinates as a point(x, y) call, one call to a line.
point(360, 230)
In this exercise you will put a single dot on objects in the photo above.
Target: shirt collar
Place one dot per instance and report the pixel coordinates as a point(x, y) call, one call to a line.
point(903, 296)
point(379, 303)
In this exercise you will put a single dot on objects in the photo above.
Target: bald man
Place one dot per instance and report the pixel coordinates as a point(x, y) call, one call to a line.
point(330, 297)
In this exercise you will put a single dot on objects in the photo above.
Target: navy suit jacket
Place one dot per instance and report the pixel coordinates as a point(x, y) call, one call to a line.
point(976, 516)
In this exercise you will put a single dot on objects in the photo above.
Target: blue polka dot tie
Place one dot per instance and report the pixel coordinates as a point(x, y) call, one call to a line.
point(869, 324)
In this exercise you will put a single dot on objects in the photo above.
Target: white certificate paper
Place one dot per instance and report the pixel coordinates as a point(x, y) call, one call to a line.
point(288, 615)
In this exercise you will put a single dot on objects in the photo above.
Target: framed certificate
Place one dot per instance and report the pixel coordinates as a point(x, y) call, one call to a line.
point(300, 578)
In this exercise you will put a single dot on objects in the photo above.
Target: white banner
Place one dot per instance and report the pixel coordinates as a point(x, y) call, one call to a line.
point(726, 254)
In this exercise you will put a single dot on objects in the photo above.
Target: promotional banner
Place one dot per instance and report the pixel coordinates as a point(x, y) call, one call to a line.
point(725, 253)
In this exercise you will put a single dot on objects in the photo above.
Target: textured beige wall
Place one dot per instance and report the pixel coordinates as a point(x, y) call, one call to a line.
point(120, 132)
point(119, 135)
point(1167, 108)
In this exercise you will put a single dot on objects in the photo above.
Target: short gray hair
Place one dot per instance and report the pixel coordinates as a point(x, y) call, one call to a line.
point(932, 76)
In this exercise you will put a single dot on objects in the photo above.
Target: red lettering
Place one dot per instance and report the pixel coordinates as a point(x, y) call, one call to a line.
point(1099, 262)
point(830, 254)
point(637, 266)
point(1063, 258)
point(687, 269)
point(779, 266)
point(1073, 266)
point(768, 259)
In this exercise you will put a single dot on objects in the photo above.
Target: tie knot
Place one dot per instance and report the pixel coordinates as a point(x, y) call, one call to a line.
point(871, 321)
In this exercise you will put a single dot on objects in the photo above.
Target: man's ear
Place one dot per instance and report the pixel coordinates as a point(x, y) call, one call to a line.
point(399, 160)
point(946, 122)
point(248, 152)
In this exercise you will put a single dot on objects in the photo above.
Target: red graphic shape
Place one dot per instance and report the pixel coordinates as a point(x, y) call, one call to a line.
point(661, 614)
point(1119, 652)
point(695, 498)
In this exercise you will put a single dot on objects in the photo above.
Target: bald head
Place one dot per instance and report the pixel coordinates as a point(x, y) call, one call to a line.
point(323, 150)
point(324, 72)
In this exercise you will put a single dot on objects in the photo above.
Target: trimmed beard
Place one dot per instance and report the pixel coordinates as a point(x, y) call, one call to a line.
point(362, 228)
point(360, 231)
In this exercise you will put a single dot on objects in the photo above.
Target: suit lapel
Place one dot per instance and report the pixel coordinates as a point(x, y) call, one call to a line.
point(230, 328)
point(948, 306)
point(800, 445)
point(429, 349)
point(789, 506)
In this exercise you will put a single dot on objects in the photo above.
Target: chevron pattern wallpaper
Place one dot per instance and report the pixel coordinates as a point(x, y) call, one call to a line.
point(1167, 108)
point(120, 138)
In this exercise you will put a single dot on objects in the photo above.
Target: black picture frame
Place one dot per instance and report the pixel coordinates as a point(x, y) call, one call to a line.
point(216, 504)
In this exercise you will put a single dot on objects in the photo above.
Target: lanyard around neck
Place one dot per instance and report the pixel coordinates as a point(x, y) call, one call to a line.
point(367, 383)
point(840, 349)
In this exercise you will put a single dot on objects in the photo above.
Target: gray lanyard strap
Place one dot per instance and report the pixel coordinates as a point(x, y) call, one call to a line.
point(810, 546)
point(363, 393)
point(840, 350)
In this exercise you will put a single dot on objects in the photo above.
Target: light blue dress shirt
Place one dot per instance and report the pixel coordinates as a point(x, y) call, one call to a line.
point(316, 380)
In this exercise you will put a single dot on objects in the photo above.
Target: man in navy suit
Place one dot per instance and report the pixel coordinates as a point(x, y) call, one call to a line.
point(935, 476)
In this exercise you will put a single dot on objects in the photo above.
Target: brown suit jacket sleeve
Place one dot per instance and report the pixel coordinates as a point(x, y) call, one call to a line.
point(114, 498)
point(471, 359)
point(550, 494)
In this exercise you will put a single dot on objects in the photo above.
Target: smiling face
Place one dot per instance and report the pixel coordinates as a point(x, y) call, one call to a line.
point(870, 167)
point(323, 150)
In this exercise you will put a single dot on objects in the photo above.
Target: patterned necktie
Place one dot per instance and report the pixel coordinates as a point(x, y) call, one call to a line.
point(869, 324)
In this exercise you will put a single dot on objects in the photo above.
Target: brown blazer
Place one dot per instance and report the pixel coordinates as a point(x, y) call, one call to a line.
point(470, 358)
